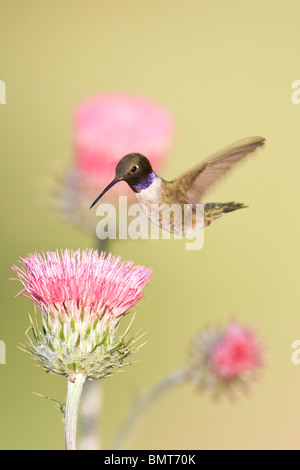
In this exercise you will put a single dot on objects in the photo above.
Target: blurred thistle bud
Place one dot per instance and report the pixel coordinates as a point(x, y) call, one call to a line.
point(107, 127)
point(222, 360)
point(225, 359)
point(82, 297)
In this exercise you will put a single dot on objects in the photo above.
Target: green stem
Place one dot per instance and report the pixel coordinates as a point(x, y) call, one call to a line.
point(168, 382)
point(71, 413)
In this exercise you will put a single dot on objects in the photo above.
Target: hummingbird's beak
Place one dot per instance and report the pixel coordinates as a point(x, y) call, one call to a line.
point(116, 180)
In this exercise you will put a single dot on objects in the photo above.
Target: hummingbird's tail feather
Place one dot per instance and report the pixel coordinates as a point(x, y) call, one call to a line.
point(214, 210)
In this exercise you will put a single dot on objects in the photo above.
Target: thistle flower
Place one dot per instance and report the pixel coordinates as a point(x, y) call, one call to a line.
point(107, 127)
point(224, 359)
point(82, 296)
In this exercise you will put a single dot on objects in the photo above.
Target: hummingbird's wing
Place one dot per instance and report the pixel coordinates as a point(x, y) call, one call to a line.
point(202, 177)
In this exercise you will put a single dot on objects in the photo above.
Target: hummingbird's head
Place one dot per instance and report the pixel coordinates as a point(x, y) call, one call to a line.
point(136, 170)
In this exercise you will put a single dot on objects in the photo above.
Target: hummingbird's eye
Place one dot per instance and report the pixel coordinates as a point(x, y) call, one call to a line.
point(133, 169)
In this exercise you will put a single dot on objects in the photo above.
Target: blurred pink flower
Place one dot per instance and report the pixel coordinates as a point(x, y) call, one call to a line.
point(236, 352)
point(224, 358)
point(74, 282)
point(107, 127)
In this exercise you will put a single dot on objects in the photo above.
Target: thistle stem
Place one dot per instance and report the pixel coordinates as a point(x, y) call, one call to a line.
point(71, 413)
point(133, 417)
point(90, 410)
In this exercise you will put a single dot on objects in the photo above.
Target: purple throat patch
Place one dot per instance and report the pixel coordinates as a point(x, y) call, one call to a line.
point(145, 183)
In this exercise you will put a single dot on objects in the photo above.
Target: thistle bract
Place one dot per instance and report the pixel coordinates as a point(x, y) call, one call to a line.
point(82, 297)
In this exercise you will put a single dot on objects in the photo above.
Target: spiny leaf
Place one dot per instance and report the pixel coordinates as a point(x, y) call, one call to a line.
point(60, 406)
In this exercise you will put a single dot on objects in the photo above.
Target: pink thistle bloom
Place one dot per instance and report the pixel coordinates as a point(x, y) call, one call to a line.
point(75, 281)
point(236, 352)
point(107, 127)
point(82, 296)
point(225, 358)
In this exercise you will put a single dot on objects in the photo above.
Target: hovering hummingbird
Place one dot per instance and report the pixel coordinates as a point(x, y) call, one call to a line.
point(187, 190)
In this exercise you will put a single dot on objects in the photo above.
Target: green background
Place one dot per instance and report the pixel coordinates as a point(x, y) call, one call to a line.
point(224, 70)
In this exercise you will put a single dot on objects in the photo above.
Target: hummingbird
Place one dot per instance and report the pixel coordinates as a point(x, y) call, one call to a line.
point(188, 190)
